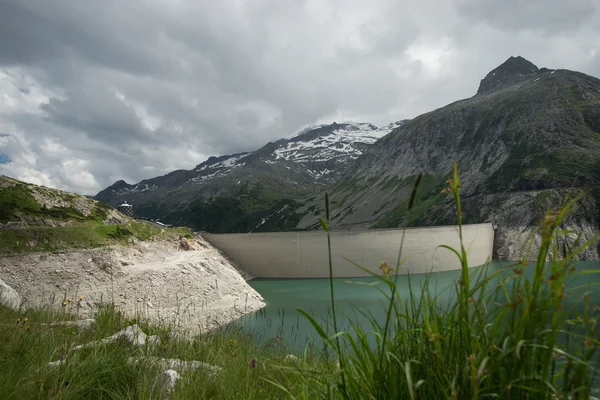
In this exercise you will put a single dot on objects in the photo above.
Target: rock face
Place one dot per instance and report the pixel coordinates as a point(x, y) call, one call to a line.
point(526, 140)
point(9, 297)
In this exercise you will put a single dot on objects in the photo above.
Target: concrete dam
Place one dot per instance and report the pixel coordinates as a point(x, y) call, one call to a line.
point(304, 254)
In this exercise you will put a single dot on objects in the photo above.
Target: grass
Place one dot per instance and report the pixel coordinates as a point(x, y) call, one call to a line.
point(511, 333)
point(103, 372)
point(79, 237)
point(507, 335)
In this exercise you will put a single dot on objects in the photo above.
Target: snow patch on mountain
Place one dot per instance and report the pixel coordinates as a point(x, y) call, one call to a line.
point(344, 141)
point(137, 189)
point(226, 163)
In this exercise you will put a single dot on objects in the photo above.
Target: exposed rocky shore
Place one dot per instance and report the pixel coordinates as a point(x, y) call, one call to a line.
point(183, 282)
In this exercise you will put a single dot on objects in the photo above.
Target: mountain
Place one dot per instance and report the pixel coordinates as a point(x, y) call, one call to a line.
point(527, 139)
point(251, 191)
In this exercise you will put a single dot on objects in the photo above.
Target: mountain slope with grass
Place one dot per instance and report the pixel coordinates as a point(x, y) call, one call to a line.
point(527, 139)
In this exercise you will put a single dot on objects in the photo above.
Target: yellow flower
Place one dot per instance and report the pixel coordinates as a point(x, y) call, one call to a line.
point(25, 319)
point(69, 299)
point(385, 268)
point(64, 303)
point(80, 298)
point(28, 327)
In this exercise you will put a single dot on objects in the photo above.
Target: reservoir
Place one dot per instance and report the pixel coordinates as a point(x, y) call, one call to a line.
point(280, 321)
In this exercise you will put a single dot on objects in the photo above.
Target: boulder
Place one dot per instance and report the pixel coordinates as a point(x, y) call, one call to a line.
point(186, 245)
point(9, 297)
point(166, 381)
point(133, 334)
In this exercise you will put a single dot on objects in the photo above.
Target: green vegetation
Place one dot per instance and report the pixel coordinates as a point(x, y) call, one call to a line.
point(252, 211)
point(507, 335)
point(511, 334)
point(17, 201)
point(428, 195)
point(103, 372)
point(79, 237)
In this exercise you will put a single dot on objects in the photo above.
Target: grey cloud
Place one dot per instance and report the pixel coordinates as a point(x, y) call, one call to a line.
point(96, 112)
point(549, 16)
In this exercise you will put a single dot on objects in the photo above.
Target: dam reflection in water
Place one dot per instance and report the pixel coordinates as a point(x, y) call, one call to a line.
point(281, 321)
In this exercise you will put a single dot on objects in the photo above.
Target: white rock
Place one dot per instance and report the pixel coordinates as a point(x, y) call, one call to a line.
point(80, 323)
point(174, 363)
point(9, 297)
point(132, 333)
point(153, 340)
point(166, 381)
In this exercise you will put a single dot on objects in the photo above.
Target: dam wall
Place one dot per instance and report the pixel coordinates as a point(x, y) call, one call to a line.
point(304, 254)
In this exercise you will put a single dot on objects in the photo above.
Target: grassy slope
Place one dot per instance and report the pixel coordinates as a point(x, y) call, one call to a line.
point(17, 201)
point(103, 372)
point(79, 237)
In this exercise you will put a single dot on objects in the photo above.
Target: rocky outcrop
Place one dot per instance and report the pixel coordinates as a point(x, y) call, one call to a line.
point(514, 70)
point(23, 205)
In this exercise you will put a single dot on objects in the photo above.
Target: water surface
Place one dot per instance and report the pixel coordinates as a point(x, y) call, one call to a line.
point(280, 319)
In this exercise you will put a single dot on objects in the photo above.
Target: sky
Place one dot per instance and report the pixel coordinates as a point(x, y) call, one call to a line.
point(96, 91)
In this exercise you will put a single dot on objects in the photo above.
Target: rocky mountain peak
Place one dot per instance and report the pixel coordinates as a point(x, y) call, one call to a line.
point(513, 70)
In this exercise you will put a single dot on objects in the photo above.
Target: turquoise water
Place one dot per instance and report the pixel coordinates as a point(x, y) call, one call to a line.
point(281, 321)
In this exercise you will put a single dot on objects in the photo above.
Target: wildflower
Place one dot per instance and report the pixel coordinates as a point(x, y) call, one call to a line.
point(80, 298)
point(385, 268)
point(19, 320)
point(253, 363)
point(69, 299)
point(28, 327)
point(25, 320)
point(548, 224)
point(64, 303)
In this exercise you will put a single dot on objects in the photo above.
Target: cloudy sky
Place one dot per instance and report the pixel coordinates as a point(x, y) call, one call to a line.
point(100, 90)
